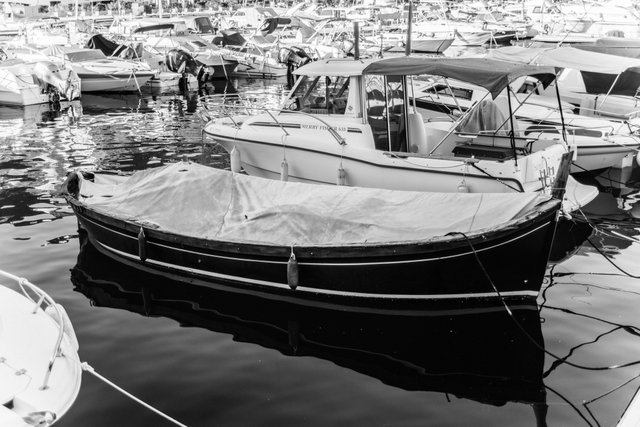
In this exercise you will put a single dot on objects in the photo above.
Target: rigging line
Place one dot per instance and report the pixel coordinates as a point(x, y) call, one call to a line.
point(497, 179)
point(524, 331)
point(611, 262)
point(569, 402)
point(628, 328)
point(585, 403)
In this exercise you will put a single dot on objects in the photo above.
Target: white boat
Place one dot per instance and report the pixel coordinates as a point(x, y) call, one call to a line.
point(368, 134)
point(599, 143)
point(28, 83)
point(40, 371)
point(597, 83)
point(100, 73)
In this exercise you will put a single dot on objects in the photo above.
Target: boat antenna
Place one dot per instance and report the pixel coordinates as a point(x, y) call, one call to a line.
point(407, 45)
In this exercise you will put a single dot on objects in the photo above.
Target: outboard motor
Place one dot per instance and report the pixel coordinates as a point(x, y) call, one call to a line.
point(179, 61)
point(62, 81)
point(294, 58)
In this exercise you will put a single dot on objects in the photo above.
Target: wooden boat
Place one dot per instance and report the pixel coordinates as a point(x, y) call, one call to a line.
point(40, 372)
point(320, 242)
point(475, 353)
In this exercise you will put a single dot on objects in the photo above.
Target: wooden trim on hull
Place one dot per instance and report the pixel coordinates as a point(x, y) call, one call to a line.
point(438, 270)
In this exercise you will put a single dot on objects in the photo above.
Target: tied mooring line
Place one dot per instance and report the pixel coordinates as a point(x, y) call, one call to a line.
point(88, 368)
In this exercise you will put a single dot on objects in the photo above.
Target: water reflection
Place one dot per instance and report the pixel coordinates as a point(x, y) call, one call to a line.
point(481, 354)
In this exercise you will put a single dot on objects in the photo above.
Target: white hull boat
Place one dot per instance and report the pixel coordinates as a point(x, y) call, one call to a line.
point(361, 139)
point(40, 371)
point(28, 83)
point(100, 73)
point(599, 143)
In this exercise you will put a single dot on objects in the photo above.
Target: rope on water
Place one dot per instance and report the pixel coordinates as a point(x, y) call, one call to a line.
point(524, 331)
point(88, 368)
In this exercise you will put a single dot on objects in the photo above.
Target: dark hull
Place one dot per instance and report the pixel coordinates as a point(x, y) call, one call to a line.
point(481, 354)
point(513, 259)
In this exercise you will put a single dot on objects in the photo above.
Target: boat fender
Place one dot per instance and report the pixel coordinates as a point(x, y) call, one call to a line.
point(284, 170)
point(342, 176)
point(573, 147)
point(235, 159)
point(293, 274)
point(463, 187)
point(142, 245)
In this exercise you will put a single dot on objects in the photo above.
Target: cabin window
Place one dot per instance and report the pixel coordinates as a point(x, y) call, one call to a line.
point(320, 95)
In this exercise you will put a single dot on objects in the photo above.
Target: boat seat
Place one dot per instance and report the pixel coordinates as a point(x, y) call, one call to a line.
point(12, 384)
point(9, 417)
point(416, 134)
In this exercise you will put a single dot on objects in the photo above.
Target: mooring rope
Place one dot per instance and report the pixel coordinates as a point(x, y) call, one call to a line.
point(88, 368)
point(524, 331)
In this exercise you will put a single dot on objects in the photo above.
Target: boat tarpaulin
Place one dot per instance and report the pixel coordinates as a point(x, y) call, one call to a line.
point(199, 201)
point(494, 75)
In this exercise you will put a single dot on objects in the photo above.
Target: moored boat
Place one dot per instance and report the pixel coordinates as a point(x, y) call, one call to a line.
point(312, 242)
point(480, 353)
point(355, 121)
point(40, 371)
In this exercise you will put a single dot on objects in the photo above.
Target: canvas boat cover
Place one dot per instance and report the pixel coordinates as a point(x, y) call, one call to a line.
point(199, 201)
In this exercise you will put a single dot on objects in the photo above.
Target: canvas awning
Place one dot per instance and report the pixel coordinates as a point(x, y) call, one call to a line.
point(601, 73)
point(493, 75)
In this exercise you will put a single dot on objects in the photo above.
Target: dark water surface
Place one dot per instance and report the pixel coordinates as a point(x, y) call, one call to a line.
point(207, 358)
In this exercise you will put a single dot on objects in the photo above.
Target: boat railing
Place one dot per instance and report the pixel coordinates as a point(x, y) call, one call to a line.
point(39, 297)
point(245, 108)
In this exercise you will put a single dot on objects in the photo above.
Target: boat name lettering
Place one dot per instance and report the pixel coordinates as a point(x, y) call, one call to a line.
point(323, 127)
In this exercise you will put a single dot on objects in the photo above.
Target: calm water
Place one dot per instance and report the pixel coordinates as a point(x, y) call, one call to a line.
point(211, 359)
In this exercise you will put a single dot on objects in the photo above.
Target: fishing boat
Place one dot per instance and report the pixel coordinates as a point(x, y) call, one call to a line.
point(354, 122)
point(318, 242)
point(482, 354)
point(40, 371)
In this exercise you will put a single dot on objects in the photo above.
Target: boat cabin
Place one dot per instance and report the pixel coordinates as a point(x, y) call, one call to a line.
point(382, 94)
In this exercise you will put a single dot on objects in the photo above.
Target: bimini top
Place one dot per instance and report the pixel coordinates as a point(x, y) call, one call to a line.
point(492, 74)
point(568, 57)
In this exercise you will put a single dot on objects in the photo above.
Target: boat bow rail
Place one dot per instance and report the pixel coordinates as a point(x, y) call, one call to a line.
point(56, 311)
point(235, 114)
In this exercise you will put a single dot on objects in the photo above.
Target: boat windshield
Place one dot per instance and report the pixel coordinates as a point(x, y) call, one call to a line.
point(311, 95)
point(85, 55)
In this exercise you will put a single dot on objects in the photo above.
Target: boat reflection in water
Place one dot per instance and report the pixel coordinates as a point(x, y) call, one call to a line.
point(480, 353)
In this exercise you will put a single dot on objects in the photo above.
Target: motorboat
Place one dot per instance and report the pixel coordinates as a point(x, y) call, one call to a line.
point(351, 122)
point(163, 78)
point(36, 82)
point(100, 73)
point(481, 354)
point(599, 142)
point(319, 242)
point(210, 61)
point(40, 371)
point(597, 84)
point(254, 60)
